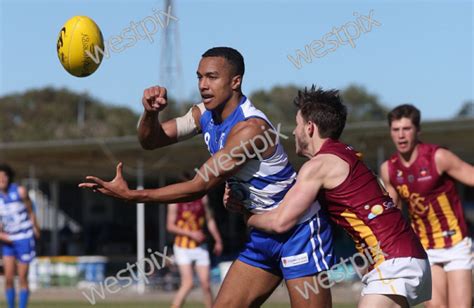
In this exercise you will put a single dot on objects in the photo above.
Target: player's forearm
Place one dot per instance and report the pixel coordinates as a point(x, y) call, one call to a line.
point(181, 192)
point(151, 133)
point(177, 231)
point(214, 231)
point(264, 222)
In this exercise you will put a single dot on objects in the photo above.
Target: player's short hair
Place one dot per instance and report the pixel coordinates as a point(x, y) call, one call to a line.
point(9, 172)
point(235, 59)
point(324, 108)
point(405, 111)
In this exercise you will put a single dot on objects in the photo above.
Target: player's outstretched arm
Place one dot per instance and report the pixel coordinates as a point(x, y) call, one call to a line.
point(447, 161)
point(215, 171)
point(388, 186)
point(151, 133)
point(295, 203)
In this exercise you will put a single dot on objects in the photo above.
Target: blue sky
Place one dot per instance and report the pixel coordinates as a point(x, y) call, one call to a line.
point(422, 51)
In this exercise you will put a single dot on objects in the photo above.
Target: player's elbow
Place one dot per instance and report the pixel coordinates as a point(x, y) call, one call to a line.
point(146, 144)
point(281, 226)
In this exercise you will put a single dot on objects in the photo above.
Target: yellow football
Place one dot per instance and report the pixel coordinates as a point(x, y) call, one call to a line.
point(78, 46)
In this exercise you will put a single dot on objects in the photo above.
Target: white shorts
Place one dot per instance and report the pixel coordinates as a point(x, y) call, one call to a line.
point(187, 255)
point(407, 277)
point(458, 257)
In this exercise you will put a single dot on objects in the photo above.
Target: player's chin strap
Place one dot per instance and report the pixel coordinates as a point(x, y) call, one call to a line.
point(186, 126)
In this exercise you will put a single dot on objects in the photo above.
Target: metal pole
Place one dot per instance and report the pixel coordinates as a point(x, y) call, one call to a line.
point(54, 188)
point(140, 229)
point(162, 218)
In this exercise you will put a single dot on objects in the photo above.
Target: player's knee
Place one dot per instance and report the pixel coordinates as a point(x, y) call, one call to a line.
point(205, 286)
point(9, 282)
point(187, 284)
point(23, 282)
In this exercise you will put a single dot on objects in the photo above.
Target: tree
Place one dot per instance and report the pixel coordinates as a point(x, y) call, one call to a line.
point(362, 105)
point(467, 110)
point(278, 104)
point(49, 114)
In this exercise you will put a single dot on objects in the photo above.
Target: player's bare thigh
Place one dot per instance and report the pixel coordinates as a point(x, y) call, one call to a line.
point(460, 288)
point(310, 291)
point(439, 294)
point(381, 300)
point(245, 286)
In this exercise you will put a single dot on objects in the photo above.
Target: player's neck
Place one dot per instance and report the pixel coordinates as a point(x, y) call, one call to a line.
point(225, 110)
point(315, 146)
point(409, 158)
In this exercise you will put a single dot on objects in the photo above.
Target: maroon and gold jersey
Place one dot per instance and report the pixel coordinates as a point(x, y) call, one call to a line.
point(190, 216)
point(433, 202)
point(363, 208)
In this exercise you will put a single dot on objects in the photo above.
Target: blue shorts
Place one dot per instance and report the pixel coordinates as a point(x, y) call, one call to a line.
point(22, 250)
point(303, 251)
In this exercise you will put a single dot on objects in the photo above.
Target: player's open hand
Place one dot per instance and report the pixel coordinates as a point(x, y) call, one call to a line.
point(5, 238)
point(155, 99)
point(218, 248)
point(198, 236)
point(117, 188)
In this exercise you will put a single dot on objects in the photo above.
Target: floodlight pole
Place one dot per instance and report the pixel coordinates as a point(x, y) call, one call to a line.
point(140, 229)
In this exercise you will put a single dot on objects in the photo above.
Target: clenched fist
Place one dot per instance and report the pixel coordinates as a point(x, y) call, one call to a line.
point(155, 99)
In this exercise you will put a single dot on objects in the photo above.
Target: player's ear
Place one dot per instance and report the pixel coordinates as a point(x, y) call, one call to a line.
point(310, 128)
point(236, 82)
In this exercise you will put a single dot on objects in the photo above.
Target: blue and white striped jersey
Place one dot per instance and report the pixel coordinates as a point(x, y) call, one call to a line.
point(14, 216)
point(262, 183)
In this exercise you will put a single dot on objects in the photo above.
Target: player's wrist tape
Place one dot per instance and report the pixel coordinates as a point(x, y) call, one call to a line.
point(186, 126)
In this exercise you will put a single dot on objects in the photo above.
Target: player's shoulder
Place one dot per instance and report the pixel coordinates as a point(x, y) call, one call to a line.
point(248, 128)
point(22, 191)
point(443, 156)
point(315, 165)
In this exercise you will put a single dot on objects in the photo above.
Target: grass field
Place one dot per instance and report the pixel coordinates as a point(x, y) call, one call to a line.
point(35, 304)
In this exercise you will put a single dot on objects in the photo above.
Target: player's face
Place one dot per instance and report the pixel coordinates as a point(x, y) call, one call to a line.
point(301, 140)
point(216, 82)
point(3, 181)
point(404, 135)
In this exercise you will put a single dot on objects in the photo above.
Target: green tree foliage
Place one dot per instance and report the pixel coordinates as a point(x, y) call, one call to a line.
point(362, 105)
point(277, 103)
point(49, 114)
point(467, 110)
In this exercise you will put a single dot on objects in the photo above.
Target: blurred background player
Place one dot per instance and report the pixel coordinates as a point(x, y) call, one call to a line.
point(186, 220)
point(19, 228)
point(423, 176)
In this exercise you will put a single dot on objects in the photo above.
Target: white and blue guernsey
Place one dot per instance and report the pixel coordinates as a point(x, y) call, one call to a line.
point(17, 224)
point(262, 184)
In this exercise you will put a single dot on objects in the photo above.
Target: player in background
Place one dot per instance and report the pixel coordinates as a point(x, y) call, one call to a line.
point(186, 221)
point(19, 229)
point(399, 272)
point(423, 176)
point(245, 153)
